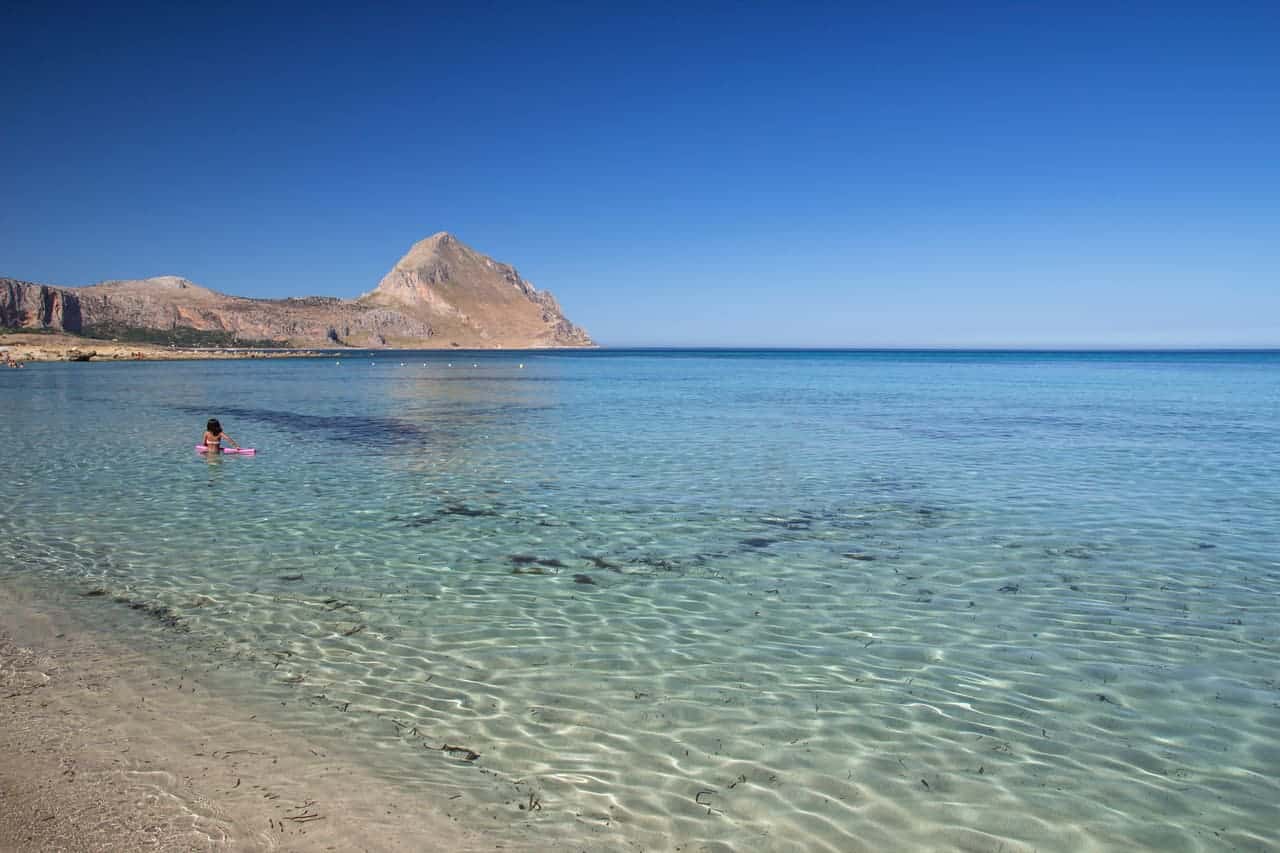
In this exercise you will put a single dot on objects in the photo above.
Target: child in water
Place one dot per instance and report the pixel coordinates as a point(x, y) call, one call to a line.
point(213, 436)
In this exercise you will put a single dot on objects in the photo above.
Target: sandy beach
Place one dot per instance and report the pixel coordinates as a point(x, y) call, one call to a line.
point(100, 751)
point(29, 346)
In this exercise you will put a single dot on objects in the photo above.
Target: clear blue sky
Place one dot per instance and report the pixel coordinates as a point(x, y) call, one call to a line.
point(726, 174)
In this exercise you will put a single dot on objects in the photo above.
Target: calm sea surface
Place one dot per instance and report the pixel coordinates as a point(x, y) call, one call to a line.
point(826, 601)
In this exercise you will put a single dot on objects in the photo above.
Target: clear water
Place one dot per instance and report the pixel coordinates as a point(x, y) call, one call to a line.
point(837, 601)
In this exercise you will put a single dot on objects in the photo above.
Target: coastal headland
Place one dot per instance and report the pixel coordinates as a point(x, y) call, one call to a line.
point(442, 294)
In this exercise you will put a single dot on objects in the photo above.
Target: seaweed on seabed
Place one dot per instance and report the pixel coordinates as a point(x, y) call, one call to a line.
point(660, 563)
point(164, 614)
point(528, 570)
point(465, 753)
point(464, 510)
point(529, 559)
point(360, 429)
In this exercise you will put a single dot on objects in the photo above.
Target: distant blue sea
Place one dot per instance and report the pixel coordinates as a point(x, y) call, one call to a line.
point(709, 599)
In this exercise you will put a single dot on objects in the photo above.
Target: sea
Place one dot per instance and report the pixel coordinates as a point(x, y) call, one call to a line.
point(749, 600)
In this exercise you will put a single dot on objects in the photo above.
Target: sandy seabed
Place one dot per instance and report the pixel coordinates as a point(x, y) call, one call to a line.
point(101, 751)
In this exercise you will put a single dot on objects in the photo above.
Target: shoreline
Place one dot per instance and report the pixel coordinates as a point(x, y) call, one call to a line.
point(104, 751)
point(61, 347)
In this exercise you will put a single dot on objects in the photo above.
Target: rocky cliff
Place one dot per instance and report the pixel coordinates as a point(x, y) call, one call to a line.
point(26, 305)
point(472, 299)
point(441, 294)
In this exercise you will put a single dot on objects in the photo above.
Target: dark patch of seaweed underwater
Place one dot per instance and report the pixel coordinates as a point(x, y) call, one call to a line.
point(163, 614)
point(466, 510)
point(350, 429)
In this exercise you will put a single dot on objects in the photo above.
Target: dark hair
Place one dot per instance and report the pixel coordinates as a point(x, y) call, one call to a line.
point(213, 426)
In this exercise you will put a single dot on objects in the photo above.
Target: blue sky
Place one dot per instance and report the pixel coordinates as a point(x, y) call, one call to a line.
point(1003, 174)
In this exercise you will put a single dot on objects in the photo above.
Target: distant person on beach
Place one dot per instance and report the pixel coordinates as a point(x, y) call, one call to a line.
point(213, 436)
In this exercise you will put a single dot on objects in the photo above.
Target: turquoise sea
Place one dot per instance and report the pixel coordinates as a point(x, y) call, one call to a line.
point(707, 600)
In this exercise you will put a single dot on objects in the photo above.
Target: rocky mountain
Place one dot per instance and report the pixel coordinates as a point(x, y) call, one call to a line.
point(471, 298)
point(24, 305)
point(441, 294)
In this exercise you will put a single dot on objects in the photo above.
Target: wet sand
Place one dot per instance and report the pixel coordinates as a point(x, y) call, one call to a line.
point(100, 752)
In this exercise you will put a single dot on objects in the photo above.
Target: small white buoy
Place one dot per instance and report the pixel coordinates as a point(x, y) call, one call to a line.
point(522, 367)
point(402, 364)
point(451, 364)
point(475, 365)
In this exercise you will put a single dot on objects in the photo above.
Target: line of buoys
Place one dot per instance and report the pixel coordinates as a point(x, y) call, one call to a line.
point(424, 364)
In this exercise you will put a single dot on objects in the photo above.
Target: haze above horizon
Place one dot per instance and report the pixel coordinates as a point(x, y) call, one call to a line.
point(771, 175)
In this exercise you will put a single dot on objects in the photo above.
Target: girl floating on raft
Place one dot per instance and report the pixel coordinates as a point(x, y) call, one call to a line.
point(213, 436)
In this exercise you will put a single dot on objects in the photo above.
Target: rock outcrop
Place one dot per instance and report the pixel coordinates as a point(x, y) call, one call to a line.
point(26, 305)
point(441, 294)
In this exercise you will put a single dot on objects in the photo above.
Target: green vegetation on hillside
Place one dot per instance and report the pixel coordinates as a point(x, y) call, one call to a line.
point(22, 330)
point(181, 336)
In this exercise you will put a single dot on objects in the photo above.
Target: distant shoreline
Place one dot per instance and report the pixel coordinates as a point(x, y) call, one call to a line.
point(24, 347)
point(40, 346)
point(45, 347)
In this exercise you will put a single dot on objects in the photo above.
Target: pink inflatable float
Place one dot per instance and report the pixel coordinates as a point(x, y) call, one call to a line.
point(243, 451)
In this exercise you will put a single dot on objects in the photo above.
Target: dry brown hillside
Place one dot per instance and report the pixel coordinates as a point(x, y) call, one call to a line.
point(441, 294)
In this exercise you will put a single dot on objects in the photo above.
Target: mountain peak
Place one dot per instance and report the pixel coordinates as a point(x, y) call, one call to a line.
point(440, 239)
point(471, 298)
point(429, 248)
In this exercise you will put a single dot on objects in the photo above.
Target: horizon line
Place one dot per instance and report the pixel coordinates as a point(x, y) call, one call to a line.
point(949, 347)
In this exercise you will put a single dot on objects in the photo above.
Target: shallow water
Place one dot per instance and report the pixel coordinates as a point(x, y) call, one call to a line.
point(709, 600)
